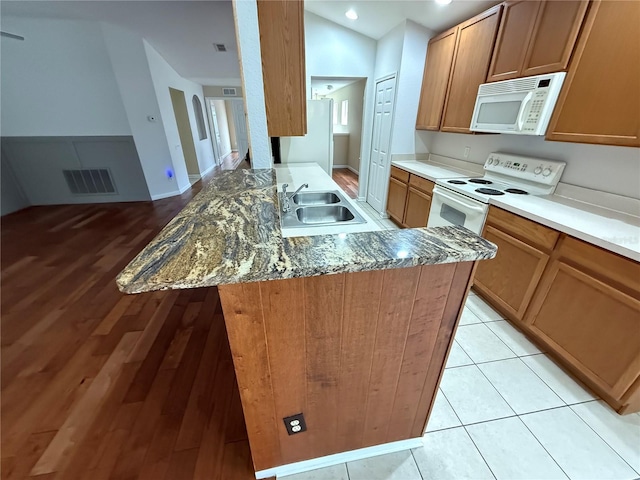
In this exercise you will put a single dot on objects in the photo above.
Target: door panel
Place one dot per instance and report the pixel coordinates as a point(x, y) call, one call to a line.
point(240, 123)
point(470, 67)
point(554, 36)
point(380, 143)
point(516, 26)
point(396, 200)
point(597, 311)
point(417, 211)
point(435, 80)
point(510, 279)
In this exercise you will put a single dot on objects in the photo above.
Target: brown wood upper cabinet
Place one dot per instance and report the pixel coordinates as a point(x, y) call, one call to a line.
point(435, 79)
point(535, 37)
point(281, 24)
point(474, 46)
point(601, 94)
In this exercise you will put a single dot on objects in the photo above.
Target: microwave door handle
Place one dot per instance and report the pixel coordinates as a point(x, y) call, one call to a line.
point(523, 108)
point(458, 200)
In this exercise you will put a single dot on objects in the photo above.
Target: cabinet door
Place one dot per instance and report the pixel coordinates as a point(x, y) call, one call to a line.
point(476, 38)
point(600, 96)
point(435, 80)
point(281, 24)
point(590, 324)
point(417, 211)
point(554, 37)
point(516, 26)
point(396, 200)
point(509, 280)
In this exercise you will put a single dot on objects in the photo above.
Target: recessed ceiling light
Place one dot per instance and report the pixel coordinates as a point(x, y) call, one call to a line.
point(443, 2)
point(352, 15)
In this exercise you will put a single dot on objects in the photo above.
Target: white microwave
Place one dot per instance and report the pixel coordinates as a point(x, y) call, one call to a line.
point(522, 106)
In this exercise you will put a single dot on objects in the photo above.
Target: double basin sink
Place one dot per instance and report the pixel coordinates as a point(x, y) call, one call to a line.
point(310, 209)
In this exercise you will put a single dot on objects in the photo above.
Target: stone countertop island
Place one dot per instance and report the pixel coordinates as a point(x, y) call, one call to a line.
point(230, 233)
point(348, 333)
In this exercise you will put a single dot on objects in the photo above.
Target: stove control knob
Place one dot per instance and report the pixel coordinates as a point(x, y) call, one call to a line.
point(490, 161)
point(538, 170)
point(547, 172)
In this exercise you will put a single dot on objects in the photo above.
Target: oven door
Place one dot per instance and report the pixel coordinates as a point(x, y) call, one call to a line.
point(451, 208)
point(501, 113)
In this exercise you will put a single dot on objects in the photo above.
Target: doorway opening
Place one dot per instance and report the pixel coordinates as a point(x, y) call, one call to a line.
point(347, 96)
point(229, 135)
point(185, 133)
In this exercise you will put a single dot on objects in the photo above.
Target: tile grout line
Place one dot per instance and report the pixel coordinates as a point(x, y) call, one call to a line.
point(479, 451)
point(600, 437)
point(543, 447)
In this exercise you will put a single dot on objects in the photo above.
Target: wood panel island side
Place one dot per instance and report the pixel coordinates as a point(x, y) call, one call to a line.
point(352, 331)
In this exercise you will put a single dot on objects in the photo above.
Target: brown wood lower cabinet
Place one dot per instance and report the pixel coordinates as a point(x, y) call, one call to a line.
point(396, 199)
point(416, 212)
point(360, 355)
point(409, 198)
point(582, 303)
point(511, 278)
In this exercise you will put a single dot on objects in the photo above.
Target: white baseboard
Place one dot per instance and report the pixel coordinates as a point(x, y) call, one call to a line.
point(337, 458)
point(194, 178)
point(166, 195)
point(348, 167)
point(208, 170)
point(353, 170)
point(340, 166)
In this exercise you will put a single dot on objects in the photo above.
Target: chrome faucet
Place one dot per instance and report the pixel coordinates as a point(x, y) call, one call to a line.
point(286, 205)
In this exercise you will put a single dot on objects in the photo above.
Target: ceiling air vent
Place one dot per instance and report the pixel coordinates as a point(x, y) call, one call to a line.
point(96, 181)
point(220, 47)
point(229, 91)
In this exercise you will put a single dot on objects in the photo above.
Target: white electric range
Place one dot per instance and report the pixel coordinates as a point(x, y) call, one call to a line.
point(465, 201)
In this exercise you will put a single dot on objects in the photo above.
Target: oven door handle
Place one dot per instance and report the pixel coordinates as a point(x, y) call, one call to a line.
point(470, 206)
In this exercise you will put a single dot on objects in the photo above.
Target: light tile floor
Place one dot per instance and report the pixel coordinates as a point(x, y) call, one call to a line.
point(505, 410)
point(383, 223)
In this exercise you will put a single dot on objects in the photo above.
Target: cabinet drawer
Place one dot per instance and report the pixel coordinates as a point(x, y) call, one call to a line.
point(422, 184)
point(520, 227)
point(623, 272)
point(399, 174)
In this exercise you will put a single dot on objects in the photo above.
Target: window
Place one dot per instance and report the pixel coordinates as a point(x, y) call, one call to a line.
point(197, 110)
point(335, 112)
point(345, 113)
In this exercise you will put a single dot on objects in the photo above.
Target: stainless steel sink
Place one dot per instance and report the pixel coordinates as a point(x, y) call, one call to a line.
point(324, 214)
point(315, 198)
point(315, 209)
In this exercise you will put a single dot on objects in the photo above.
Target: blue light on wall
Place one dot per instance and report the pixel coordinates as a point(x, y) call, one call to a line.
point(169, 173)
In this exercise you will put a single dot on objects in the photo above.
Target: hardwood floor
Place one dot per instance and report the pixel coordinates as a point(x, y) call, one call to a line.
point(347, 180)
point(231, 162)
point(100, 385)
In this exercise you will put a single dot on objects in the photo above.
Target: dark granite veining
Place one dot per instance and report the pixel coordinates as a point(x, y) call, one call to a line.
point(230, 233)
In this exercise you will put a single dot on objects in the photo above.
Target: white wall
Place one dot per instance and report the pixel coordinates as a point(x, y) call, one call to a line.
point(409, 84)
point(605, 168)
point(334, 51)
point(223, 127)
point(59, 81)
point(355, 94)
point(245, 14)
point(129, 62)
point(13, 199)
point(164, 76)
point(389, 52)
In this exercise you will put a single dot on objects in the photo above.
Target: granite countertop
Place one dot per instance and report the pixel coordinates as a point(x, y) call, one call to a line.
point(230, 233)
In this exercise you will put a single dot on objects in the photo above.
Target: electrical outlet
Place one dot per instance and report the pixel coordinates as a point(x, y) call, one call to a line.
point(467, 150)
point(295, 424)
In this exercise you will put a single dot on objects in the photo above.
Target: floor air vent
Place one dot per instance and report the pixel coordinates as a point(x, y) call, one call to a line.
point(96, 181)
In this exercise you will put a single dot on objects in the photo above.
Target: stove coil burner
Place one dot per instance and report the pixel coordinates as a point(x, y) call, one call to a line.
point(481, 181)
point(517, 191)
point(489, 191)
point(457, 182)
